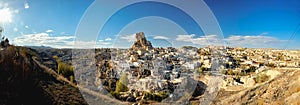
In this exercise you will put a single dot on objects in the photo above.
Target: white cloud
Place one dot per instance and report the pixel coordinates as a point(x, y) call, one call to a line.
point(68, 41)
point(108, 39)
point(16, 11)
point(48, 31)
point(26, 6)
point(15, 29)
point(235, 40)
point(63, 33)
point(264, 33)
point(253, 41)
point(83, 44)
point(129, 38)
point(26, 26)
point(202, 40)
point(185, 38)
point(160, 37)
point(45, 40)
point(101, 42)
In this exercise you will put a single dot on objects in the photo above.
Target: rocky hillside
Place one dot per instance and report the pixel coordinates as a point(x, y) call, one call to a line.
point(24, 81)
point(282, 89)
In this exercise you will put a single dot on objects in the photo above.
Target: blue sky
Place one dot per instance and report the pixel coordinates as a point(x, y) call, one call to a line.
point(255, 23)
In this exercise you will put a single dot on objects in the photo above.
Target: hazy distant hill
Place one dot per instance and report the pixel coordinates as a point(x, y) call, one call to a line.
point(39, 47)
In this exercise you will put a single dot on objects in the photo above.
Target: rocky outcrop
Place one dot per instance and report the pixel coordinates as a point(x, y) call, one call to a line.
point(141, 42)
point(4, 43)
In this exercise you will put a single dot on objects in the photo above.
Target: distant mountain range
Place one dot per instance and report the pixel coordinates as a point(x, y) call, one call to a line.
point(39, 47)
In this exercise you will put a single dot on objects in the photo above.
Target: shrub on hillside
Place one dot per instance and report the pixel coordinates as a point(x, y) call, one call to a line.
point(262, 78)
point(65, 70)
point(270, 65)
point(252, 69)
point(156, 96)
point(229, 72)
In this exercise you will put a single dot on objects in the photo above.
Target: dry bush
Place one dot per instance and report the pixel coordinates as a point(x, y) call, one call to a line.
point(262, 78)
point(65, 70)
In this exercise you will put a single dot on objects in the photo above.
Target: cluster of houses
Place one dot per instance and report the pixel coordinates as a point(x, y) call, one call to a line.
point(265, 57)
point(152, 70)
point(165, 69)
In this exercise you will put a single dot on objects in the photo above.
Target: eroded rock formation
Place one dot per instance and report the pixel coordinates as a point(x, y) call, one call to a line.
point(141, 42)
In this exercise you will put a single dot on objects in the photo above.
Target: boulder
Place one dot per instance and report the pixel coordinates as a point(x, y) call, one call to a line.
point(249, 82)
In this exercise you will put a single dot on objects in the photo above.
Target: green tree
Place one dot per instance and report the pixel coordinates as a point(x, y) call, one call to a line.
point(122, 83)
point(72, 79)
point(55, 57)
point(252, 69)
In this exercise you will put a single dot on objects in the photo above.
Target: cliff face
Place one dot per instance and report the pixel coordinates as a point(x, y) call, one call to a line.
point(141, 42)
